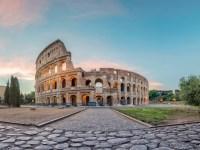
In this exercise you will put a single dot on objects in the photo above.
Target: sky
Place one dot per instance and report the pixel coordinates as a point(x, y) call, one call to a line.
point(158, 39)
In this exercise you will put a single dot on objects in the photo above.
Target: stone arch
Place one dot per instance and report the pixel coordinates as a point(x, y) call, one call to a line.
point(134, 101)
point(63, 99)
point(48, 101)
point(63, 83)
point(115, 85)
point(122, 101)
point(99, 85)
point(109, 100)
point(73, 100)
point(88, 82)
point(122, 87)
point(99, 100)
point(122, 79)
point(74, 82)
point(54, 100)
point(85, 100)
point(128, 87)
point(128, 101)
point(54, 84)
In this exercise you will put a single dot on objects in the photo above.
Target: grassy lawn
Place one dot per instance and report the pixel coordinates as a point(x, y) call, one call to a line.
point(161, 116)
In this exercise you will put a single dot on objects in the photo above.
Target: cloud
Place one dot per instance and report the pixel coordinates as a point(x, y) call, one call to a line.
point(155, 85)
point(19, 67)
point(92, 8)
point(21, 12)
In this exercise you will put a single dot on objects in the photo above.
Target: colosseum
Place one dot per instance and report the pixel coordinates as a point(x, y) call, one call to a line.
point(59, 82)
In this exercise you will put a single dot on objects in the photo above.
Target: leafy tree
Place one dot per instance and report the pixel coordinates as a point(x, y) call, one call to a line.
point(153, 95)
point(29, 97)
point(6, 94)
point(190, 89)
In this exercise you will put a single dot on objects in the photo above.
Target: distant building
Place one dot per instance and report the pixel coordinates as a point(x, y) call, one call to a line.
point(2, 90)
point(58, 82)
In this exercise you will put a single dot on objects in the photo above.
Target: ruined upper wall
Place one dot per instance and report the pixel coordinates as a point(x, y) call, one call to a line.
point(53, 51)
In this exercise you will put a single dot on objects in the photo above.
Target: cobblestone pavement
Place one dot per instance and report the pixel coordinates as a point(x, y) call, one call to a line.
point(181, 137)
point(96, 119)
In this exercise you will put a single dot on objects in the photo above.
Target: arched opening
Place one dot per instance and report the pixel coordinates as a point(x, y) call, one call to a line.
point(134, 88)
point(73, 100)
point(63, 100)
point(109, 101)
point(88, 82)
point(122, 87)
point(128, 87)
point(100, 100)
point(54, 100)
point(115, 85)
point(63, 83)
point(74, 82)
point(122, 79)
point(122, 101)
point(134, 101)
point(55, 85)
point(85, 100)
point(48, 101)
point(128, 101)
point(99, 85)
point(138, 101)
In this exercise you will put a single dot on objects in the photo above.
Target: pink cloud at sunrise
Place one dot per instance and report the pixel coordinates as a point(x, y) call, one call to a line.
point(20, 12)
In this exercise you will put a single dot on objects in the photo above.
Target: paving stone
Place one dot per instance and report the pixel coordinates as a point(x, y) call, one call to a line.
point(77, 140)
point(24, 138)
point(3, 146)
point(10, 140)
point(33, 142)
point(39, 138)
point(84, 148)
point(58, 131)
point(138, 147)
point(139, 141)
point(47, 142)
point(43, 147)
point(61, 146)
point(118, 141)
point(103, 145)
point(102, 139)
point(20, 143)
point(90, 143)
point(51, 136)
point(76, 144)
point(15, 148)
point(60, 139)
point(163, 148)
point(33, 132)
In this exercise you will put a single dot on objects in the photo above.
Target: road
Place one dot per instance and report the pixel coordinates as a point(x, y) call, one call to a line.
point(96, 119)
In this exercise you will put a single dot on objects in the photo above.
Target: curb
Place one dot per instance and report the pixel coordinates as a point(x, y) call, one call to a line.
point(133, 119)
point(44, 123)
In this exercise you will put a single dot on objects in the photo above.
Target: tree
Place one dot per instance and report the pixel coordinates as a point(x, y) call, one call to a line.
point(153, 95)
point(29, 97)
point(14, 92)
point(190, 89)
point(6, 94)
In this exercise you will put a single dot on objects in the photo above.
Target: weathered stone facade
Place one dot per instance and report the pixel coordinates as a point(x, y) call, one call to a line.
point(58, 82)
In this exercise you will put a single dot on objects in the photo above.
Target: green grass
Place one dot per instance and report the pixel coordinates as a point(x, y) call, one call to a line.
point(153, 116)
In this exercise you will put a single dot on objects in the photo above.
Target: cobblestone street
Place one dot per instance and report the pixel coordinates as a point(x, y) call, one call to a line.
point(127, 135)
point(181, 137)
point(96, 119)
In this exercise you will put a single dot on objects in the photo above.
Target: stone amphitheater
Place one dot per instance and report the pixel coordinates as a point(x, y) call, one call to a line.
point(59, 82)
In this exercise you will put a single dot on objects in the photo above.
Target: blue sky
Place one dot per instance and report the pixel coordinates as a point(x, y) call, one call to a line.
point(159, 39)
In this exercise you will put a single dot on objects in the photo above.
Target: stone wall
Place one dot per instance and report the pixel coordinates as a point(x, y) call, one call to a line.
point(58, 82)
